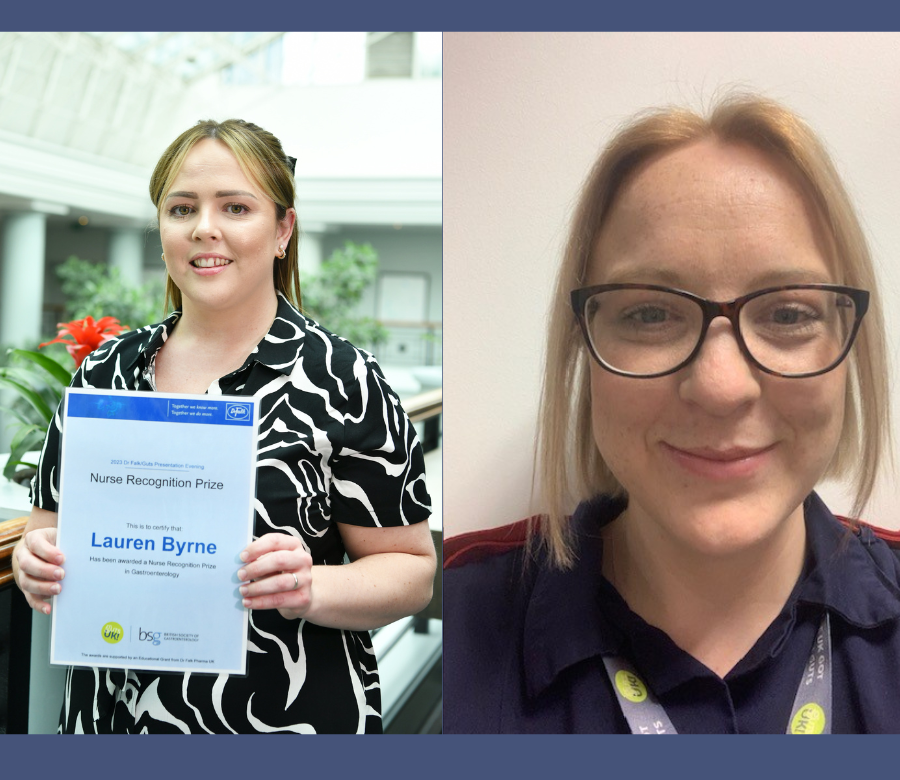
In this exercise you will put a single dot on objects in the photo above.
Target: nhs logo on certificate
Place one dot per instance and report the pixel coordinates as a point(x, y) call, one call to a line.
point(237, 411)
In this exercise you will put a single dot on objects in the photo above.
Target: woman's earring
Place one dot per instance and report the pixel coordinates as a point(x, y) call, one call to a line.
point(163, 256)
point(281, 253)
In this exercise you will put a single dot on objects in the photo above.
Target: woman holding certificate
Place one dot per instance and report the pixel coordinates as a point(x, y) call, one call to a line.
point(339, 469)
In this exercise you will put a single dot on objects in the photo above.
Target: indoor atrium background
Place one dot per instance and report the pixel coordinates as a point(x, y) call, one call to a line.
point(83, 119)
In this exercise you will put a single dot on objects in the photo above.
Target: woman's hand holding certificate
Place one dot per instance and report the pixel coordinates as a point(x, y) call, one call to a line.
point(36, 565)
point(277, 575)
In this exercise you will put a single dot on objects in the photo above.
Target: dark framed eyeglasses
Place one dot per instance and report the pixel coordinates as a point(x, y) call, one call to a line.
point(645, 331)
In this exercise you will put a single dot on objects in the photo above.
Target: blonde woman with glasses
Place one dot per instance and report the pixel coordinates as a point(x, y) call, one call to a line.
point(715, 350)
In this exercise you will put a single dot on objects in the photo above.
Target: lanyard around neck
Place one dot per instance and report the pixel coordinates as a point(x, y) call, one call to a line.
point(811, 713)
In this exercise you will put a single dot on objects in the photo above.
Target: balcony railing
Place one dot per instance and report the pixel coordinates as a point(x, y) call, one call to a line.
point(15, 637)
point(410, 651)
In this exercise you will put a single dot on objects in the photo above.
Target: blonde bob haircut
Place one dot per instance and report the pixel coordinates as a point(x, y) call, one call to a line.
point(568, 466)
point(263, 161)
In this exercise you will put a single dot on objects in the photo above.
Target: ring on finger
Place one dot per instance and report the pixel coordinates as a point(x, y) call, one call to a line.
point(296, 581)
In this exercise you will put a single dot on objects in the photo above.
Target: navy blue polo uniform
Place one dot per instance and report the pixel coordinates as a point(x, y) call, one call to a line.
point(524, 643)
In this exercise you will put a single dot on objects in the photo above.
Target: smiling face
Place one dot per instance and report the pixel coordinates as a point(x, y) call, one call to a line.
point(220, 233)
point(718, 456)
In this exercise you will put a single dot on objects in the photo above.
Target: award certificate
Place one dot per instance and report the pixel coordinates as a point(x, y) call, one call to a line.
point(156, 503)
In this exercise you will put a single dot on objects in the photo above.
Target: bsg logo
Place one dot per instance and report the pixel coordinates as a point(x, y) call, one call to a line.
point(149, 636)
point(237, 412)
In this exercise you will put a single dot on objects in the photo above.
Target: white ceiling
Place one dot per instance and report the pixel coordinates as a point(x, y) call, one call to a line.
point(190, 56)
point(83, 117)
point(112, 94)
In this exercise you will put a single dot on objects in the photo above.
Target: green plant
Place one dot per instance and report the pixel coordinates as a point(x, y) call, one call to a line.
point(38, 394)
point(330, 295)
point(93, 289)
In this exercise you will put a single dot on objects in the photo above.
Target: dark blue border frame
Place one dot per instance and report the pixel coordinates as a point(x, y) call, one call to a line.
point(656, 15)
point(451, 756)
point(433, 757)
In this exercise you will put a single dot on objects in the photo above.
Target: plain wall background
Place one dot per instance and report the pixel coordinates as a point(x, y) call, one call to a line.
point(525, 115)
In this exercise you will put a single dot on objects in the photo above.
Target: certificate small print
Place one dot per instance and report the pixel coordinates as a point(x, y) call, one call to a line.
point(156, 502)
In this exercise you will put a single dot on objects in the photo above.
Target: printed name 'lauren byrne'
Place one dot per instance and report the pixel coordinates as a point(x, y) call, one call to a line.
point(168, 544)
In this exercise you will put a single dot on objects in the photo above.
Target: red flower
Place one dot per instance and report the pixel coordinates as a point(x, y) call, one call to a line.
point(87, 335)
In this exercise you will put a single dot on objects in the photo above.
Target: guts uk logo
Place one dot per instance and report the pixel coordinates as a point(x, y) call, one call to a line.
point(112, 632)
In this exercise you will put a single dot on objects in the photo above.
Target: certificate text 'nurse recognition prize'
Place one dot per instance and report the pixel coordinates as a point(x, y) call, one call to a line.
point(155, 505)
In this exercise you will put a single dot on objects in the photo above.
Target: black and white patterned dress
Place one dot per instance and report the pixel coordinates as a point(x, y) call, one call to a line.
point(334, 445)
